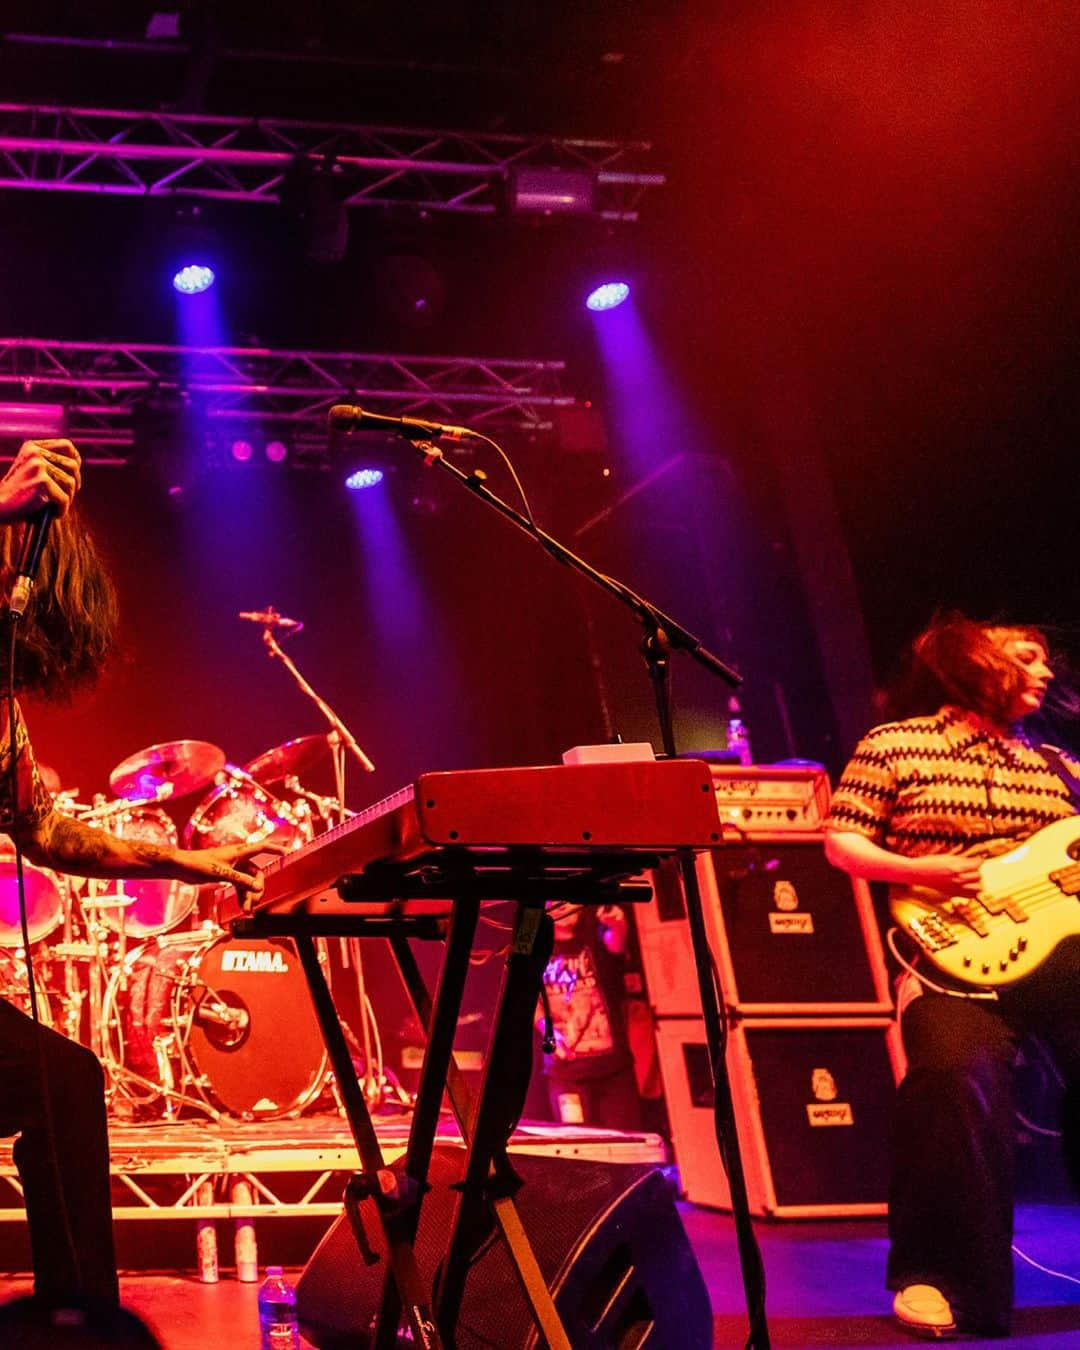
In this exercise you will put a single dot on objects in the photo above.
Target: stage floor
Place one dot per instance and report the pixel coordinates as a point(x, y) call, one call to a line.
point(824, 1288)
point(824, 1277)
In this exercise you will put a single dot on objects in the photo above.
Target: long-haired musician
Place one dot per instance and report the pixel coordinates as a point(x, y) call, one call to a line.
point(64, 639)
point(921, 802)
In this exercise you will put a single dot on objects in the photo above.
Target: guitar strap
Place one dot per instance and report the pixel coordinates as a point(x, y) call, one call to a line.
point(1056, 761)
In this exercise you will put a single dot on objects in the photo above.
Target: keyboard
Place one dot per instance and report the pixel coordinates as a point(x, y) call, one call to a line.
point(549, 819)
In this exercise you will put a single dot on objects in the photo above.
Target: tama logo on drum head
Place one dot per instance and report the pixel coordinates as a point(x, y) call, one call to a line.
point(254, 962)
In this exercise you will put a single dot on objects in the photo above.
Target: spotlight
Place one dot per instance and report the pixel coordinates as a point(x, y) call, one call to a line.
point(193, 279)
point(277, 452)
point(364, 478)
point(608, 296)
point(242, 450)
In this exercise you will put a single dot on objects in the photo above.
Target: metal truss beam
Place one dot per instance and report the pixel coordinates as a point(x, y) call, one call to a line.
point(154, 154)
point(104, 385)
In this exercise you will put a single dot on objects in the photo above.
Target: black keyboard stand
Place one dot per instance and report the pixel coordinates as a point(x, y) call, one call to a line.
point(383, 1204)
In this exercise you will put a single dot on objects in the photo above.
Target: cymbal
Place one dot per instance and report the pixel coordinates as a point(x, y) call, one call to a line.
point(186, 765)
point(291, 760)
point(49, 777)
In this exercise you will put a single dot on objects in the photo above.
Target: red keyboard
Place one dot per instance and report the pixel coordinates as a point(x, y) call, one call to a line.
point(567, 812)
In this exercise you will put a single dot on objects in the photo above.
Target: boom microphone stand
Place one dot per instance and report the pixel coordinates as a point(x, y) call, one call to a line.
point(663, 634)
point(340, 739)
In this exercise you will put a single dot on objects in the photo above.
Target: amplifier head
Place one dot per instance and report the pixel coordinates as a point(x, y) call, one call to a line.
point(771, 798)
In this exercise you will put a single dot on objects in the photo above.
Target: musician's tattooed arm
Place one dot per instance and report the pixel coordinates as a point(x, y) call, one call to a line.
point(68, 845)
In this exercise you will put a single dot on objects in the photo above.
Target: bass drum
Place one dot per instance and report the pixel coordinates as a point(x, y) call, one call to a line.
point(247, 1030)
point(222, 1024)
point(240, 811)
point(44, 899)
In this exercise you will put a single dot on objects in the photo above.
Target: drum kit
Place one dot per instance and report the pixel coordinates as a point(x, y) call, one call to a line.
point(182, 1016)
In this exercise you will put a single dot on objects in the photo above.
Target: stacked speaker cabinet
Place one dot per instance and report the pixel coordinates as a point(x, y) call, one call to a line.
point(813, 1053)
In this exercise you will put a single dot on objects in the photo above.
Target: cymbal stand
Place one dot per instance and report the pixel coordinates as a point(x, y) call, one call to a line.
point(73, 992)
point(340, 739)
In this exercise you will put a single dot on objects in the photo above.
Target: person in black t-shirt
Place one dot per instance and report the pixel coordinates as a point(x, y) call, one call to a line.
point(590, 1073)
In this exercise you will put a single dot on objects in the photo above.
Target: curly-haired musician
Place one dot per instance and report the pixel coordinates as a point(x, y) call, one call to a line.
point(64, 639)
point(921, 803)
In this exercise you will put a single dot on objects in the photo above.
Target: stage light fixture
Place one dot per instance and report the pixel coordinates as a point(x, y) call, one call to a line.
point(541, 190)
point(32, 420)
point(313, 193)
point(193, 279)
point(242, 450)
point(364, 478)
point(277, 452)
point(608, 296)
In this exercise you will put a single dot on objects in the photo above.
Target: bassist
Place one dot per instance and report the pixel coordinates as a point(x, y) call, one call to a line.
point(921, 801)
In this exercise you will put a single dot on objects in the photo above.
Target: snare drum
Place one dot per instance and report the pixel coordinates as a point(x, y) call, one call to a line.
point(226, 1021)
point(44, 899)
point(156, 905)
point(239, 811)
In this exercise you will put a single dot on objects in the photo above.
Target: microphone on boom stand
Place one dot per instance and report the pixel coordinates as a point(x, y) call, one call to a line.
point(347, 417)
point(270, 618)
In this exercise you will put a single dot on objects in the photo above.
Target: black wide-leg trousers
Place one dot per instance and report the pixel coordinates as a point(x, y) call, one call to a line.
point(954, 1135)
point(78, 1183)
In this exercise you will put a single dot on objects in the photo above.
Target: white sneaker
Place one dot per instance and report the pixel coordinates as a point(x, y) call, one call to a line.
point(924, 1310)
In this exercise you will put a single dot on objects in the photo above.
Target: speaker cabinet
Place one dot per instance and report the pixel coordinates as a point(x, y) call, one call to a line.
point(608, 1239)
point(812, 1099)
point(789, 933)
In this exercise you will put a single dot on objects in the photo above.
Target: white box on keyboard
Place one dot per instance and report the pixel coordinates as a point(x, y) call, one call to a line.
point(609, 754)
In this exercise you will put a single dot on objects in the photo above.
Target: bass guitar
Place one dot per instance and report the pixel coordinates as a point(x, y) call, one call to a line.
point(1028, 903)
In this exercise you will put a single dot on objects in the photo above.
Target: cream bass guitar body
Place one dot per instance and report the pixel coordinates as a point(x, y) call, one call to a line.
point(1029, 902)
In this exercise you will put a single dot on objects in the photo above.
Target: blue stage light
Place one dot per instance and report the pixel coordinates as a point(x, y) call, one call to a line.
point(193, 279)
point(608, 296)
point(364, 478)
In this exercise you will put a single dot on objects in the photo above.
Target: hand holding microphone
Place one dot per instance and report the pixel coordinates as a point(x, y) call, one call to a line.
point(39, 486)
point(43, 473)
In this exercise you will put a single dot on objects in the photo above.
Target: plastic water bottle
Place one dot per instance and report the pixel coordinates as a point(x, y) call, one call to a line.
point(279, 1327)
point(738, 738)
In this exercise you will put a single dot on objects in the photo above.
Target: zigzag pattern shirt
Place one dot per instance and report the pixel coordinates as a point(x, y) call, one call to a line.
point(944, 784)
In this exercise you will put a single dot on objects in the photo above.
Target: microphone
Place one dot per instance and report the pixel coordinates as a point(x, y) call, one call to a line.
point(270, 618)
point(33, 542)
point(347, 417)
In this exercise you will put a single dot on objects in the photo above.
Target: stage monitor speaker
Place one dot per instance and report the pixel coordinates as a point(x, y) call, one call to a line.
point(789, 932)
point(812, 1099)
point(608, 1239)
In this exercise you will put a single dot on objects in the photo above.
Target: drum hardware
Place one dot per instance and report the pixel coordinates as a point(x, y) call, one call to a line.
point(329, 809)
point(208, 1046)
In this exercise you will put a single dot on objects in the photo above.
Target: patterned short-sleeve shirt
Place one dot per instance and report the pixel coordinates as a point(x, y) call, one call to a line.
point(35, 801)
point(944, 784)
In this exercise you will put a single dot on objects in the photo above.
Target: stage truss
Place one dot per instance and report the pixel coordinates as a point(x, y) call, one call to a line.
point(158, 154)
point(105, 387)
point(203, 1173)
